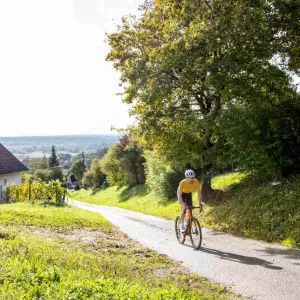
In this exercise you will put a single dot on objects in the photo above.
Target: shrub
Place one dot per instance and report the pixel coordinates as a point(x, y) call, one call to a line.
point(77, 187)
point(162, 179)
point(55, 191)
point(94, 177)
point(43, 174)
point(78, 169)
point(124, 163)
point(37, 190)
point(56, 173)
point(112, 167)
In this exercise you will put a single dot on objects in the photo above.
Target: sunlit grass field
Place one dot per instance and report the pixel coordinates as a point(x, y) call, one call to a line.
point(50, 252)
point(265, 212)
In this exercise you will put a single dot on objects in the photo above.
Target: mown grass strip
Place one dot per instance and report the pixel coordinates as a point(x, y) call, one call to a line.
point(49, 215)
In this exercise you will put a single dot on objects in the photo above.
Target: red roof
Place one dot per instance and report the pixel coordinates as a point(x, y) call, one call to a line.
point(9, 163)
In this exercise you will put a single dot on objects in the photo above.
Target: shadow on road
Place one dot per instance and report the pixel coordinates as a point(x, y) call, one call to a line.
point(248, 260)
point(287, 253)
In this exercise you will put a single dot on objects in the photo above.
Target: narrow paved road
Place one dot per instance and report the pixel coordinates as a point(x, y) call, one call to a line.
point(251, 268)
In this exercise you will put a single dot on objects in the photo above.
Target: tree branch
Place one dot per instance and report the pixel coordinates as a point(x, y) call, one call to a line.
point(208, 5)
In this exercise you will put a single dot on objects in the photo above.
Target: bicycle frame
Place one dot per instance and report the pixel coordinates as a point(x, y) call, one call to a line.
point(194, 233)
point(188, 211)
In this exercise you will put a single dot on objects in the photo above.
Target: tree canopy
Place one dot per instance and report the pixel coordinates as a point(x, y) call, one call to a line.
point(192, 69)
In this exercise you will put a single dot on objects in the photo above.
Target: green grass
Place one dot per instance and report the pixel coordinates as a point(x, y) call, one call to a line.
point(44, 215)
point(265, 212)
point(39, 260)
point(138, 198)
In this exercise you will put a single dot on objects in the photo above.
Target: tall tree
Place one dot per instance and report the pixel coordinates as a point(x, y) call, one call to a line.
point(184, 62)
point(78, 168)
point(53, 161)
point(123, 163)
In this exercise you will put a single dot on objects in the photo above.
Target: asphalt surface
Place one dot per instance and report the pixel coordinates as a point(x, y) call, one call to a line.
point(252, 268)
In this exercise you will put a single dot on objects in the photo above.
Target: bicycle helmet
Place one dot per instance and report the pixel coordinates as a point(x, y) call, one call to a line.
point(189, 174)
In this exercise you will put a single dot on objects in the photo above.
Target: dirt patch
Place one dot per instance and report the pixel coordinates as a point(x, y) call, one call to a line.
point(5, 236)
point(98, 240)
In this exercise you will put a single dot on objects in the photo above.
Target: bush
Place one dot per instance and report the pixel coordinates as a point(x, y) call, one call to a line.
point(124, 163)
point(77, 187)
point(78, 169)
point(112, 167)
point(94, 177)
point(43, 174)
point(56, 173)
point(162, 179)
point(37, 190)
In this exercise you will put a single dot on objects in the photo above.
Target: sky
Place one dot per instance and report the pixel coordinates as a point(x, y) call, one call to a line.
point(54, 79)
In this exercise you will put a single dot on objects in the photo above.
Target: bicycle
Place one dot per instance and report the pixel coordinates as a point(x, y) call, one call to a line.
point(193, 228)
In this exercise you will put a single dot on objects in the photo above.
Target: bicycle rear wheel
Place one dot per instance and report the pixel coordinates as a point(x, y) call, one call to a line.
point(179, 235)
point(196, 233)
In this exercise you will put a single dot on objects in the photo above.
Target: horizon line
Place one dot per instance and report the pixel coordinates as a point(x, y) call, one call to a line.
point(58, 135)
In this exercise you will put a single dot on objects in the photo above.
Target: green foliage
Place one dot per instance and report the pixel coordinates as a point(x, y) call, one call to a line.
point(264, 137)
point(133, 163)
point(124, 164)
point(44, 175)
point(226, 180)
point(55, 191)
point(94, 177)
point(88, 157)
point(111, 166)
point(78, 169)
point(266, 212)
point(286, 22)
point(53, 161)
point(270, 213)
point(37, 164)
point(56, 173)
point(162, 179)
point(186, 66)
point(35, 191)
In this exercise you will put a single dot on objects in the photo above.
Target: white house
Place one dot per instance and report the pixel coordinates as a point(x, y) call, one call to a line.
point(10, 169)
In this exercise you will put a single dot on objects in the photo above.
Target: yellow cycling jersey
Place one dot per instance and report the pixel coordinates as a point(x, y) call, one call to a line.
point(187, 187)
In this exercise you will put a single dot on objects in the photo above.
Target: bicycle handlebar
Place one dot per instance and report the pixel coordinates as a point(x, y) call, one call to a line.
point(193, 207)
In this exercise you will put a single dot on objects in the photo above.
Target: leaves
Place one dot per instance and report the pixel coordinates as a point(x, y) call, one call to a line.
point(186, 67)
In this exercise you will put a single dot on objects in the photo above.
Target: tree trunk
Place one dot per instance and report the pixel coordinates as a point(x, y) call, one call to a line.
point(207, 193)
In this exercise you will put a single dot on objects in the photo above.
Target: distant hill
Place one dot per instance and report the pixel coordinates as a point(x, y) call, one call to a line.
point(41, 145)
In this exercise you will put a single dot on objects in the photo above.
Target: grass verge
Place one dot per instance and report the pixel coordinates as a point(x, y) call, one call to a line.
point(45, 215)
point(90, 260)
point(265, 212)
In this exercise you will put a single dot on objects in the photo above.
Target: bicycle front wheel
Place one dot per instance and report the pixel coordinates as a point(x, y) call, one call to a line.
point(196, 233)
point(179, 235)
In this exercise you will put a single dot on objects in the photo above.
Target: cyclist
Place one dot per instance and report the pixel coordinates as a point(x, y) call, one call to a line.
point(184, 193)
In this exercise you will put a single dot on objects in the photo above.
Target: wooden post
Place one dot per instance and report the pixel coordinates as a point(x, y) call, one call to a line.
point(29, 190)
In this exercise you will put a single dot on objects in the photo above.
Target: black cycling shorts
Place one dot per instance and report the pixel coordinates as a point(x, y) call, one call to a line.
point(187, 199)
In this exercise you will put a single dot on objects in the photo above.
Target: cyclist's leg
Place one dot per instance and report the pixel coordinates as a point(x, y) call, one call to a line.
point(182, 229)
point(182, 213)
point(187, 199)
